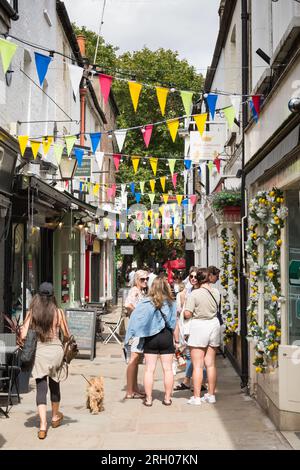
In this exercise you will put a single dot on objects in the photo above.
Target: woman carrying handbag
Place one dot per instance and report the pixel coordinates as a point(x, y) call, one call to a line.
point(47, 320)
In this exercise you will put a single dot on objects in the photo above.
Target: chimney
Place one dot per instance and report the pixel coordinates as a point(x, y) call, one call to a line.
point(81, 39)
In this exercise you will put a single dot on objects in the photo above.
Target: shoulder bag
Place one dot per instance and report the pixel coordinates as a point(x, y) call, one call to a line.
point(69, 343)
point(219, 316)
point(28, 350)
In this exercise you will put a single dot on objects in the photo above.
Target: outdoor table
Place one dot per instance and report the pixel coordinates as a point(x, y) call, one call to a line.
point(8, 368)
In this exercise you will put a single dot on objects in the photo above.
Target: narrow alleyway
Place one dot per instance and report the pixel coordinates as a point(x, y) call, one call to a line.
point(234, 422)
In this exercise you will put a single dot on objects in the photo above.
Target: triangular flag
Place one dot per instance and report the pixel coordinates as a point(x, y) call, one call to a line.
point(120, 136)
point(35, 147)
point(153, 162)
point(230, 115)
point(75, 73)
point(7, 51)
point(70, 141)
point(132, 188)
point(256, 103)
point(142, 186)
point(135, 90)
point(99, 159)
point(114, 189)
point(123, 188)
point(23, 139)
point(187, 98)
point(42, 63)
point(200, 120)
point(174, 180)
point(109, 196)
point(172, 162)
point(217, 162)
point(193, 199)
point(95, 139)
point(135, 162)
point(151, 197)
point(165, 198)
point(236, 103)
point(147, 132)
point(162, 94)
point(122, 226)
point(163, 182)
point(79, 155)
point(179, 198)
point(58, 150)
point(152, 185)
point(47, 141)
point(210, 165)
point(173, 128)
point(137, 197)
point(96, 188)
point(159, 236)
point(118, 235)
point(117, 158)
point(142, 235)
point(187, 163)
point(211, 100)
point(254, 113)
point(105, 85)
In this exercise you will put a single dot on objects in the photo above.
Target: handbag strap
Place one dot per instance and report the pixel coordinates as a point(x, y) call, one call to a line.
point(165, 319)
point(210, 293)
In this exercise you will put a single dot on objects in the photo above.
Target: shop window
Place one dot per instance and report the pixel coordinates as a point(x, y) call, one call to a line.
point(17, 266)
point(69, 241)
point(293, 204)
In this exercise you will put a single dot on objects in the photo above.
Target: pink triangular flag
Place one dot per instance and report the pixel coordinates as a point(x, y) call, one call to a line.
point(147, 132)
point(174, 180)
point(109, 193)
point(113, 190)
point(105, 84)
point(117, 158)
point(193, 199)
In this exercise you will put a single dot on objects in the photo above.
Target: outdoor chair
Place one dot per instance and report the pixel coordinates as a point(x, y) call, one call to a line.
point(114, 329)
point(9, 370)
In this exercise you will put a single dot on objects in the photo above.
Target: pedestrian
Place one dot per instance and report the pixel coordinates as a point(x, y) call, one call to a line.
point(131, 276)
point(152, 276)
point(154, 319)
point(204, 337)
point(47, 320)
point(135, 295)
point(190, 280)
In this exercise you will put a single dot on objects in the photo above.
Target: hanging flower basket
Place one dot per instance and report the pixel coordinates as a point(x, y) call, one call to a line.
point(232, 213)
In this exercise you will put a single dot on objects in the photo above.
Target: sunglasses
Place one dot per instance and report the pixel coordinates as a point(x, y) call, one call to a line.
point(144, 279)
point(192, 276)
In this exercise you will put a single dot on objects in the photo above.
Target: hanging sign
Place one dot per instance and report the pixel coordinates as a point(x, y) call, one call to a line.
point(127, 249)
point(84, 169)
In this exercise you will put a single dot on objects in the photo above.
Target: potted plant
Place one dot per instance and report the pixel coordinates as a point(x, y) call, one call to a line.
point(228, 203)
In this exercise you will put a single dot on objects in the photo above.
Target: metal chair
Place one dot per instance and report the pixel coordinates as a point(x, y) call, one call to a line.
point(9, 369)
point(114, 329)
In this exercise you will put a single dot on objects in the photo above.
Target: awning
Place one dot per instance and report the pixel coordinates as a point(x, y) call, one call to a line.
point(81, 204)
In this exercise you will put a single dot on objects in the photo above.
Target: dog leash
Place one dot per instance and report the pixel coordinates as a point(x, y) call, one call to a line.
point(86, 379)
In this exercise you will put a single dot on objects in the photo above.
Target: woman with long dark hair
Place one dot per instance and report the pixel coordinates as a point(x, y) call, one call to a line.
point(47, 320)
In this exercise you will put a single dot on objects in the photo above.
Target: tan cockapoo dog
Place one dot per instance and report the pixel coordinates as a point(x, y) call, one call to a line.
point(95, 395)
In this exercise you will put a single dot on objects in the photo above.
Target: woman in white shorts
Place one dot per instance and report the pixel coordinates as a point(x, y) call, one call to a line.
point(204, 338)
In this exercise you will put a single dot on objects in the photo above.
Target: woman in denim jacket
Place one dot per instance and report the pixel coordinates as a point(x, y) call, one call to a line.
point(154, 319)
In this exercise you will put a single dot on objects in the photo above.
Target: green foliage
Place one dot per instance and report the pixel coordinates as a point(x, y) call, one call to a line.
point(226, 198)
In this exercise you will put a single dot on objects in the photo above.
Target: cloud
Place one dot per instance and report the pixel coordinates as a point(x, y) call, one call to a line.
point(188, 26)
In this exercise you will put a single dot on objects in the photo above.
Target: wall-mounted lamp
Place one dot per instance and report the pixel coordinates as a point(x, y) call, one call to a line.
point(263, 56)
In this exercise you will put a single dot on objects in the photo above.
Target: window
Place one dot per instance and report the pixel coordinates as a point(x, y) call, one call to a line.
point(293, 204)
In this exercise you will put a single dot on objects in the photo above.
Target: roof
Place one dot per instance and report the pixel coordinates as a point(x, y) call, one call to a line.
point(81, 204)
point(68, 28)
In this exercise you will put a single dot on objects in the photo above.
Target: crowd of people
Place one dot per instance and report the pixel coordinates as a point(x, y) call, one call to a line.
point(183, 317)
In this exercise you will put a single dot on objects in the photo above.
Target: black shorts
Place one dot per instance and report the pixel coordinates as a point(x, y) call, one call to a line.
point(161, 343)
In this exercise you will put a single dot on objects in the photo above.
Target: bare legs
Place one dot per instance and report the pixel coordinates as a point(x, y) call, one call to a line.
point(210, 364)
point(132, 373)
point(150, 366)
point(166, 362)
point(42, 411)
point(197, 355)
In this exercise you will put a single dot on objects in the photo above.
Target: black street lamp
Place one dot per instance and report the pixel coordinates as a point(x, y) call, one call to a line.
point(67, 167)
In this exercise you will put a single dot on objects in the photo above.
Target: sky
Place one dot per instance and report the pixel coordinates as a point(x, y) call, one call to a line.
point(188, 26)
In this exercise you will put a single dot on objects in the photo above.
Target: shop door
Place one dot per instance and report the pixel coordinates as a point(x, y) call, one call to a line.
point(293, 204)
point(95, 277)
point(46, 255)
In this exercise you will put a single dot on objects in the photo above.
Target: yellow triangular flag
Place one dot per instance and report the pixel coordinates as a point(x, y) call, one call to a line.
point(153, 163)
point(127, 234)
point(70, 141)
point(47, 141)
point(163, 182)
point(179, 198)
point(135, 163)
point(7, 51)
point(161, 210)
point(159, 236)
point(96, 188)
point(118, 235)
point(58, 150)
point(135, 90)
point(162, 94)
point(173, 128)
point(172, 162)
point(35, 147)
point(200, 120)
point(230, 115)
point(166, 198)
point(152, 185)
point(23, 139)
point(142, 186)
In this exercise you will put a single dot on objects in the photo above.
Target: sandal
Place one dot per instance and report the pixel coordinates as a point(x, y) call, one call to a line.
point(134, 395)
point(58, 421)
point(147, 403)
point(42, 434)
point(167, 403)
point(182, 386)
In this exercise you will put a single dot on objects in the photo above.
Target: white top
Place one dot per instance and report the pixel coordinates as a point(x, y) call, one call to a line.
point(201, 303)
point(151, 276)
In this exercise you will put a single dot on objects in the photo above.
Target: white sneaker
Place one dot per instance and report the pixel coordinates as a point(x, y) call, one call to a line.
point(194, 401)
point(207, 398)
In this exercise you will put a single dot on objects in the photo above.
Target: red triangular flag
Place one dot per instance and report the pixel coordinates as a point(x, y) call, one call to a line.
point(174, 180)
point(105, 84)
point(117, 158)
point(147, 132)
point(217, 162)
point(256, 103)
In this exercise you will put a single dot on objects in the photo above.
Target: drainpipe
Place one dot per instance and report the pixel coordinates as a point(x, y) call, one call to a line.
point(81, 39)
point(243, 293)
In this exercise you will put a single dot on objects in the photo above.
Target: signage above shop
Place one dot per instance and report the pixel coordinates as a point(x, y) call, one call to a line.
point(84, 169)
point(127, 249)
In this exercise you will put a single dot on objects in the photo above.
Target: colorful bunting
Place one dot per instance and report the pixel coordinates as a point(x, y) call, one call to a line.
point(187, 163)
point(174, 180)
point(165, 198)
point(187, 98)
point(42, 63)
point(256, 103)
point(120, 136)
point(105, 85)
point(211, 100)
point(23, 139)
point(236, 103)
point(47, 142)
point(79, 155)
point(172, 163)
point(132, 188)
point(96, 188)
point(99, 159)
point(254, 113)
point(153, 163)
point(179, 198)
point(173, 128)
point(193, 199)
point(151, 197)
point(135, 90)
point(229, 113)
point(135, 162)
point(35, 147)
point(163, 182)
point(75, 73)
point(147, 132)
point(7, 51)
point(138, 197)
point(200, 120)
point(95, 140)
point(70, 141)
point(162, 94)
point(58, 151)
point(210, 165)
point(217, 163)
point(142, 186)
point(152, 185)
point(117, 158)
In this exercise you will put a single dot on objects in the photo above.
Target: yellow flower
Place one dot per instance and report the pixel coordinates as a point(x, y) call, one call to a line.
point(273, 209)
point(278, 333)
point(254, 236)
point(271, 347)
point(274, 358)
point(278, 199)
point(270, 274)
point(271, 193)
point(274, 298)
point(276, 219)
point(272, 328)
point(279, 242)
point(258, 369)
point(281, 199)
point(253, 273)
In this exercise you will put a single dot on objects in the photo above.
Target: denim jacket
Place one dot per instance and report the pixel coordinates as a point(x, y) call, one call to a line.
point(147, 321)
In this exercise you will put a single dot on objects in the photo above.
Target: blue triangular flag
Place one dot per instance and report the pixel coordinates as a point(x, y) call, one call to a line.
point(95, 139)
point(132, 188)
point(42, 63)
point(187, 164)
point(253, 110)
point(137, 197)
point(80, 186)
point(173, 220)
point(199, 171)
point(211, 100)
point(79, 155)
point(150, 236)
point(185, 202)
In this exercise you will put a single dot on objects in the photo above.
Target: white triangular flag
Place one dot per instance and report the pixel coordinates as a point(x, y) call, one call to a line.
point(75, 73)
point(122, 226)
point(142, 235)
point(123, 188)
point(236, 103)
point(120, 137)
point(99, 159)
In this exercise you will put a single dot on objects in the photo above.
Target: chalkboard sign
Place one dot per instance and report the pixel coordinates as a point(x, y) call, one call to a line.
point(82, 324)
